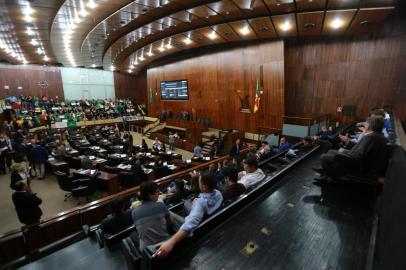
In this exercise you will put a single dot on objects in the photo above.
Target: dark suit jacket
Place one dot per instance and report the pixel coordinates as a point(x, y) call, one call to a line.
point(27, 207)
point(371, 153)
point(234, 152)
point(15, 177)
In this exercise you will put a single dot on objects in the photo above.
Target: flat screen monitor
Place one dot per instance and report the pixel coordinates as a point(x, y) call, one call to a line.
point(174, 90)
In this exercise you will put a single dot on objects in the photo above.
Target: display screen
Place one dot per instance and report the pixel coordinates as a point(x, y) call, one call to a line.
point(174, 90)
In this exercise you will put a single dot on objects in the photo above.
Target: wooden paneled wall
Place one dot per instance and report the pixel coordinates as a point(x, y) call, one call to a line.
point(34, 80)
point(130, 86)
point(368, 71)
point(217, 80)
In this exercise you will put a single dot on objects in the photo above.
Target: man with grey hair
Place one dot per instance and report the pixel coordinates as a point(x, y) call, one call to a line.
point(367, 155)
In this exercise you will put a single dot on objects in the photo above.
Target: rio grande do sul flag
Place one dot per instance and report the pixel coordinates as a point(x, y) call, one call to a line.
point(258, 94)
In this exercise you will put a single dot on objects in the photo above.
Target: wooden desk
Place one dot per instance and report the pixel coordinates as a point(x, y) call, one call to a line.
point(57, 165)
point(111, 179)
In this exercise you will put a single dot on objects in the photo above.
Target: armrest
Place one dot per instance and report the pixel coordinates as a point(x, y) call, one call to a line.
point(81, 181)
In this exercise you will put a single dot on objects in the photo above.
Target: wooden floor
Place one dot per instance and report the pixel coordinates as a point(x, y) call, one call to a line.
point(298, 226)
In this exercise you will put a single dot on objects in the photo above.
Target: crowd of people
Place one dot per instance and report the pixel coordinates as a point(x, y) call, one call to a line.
point(28, 112)
point(362, 149)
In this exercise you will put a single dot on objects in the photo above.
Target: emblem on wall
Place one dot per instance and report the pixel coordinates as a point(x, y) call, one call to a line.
point(43, 84)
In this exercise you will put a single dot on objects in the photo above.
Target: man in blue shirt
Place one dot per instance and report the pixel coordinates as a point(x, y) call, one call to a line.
point(197, 151)
point(209, 200)
point(283, 145)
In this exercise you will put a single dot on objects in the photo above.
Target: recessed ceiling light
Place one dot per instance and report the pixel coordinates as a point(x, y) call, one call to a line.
point(286, 26)
point(83, 12)
point(142, 58)
point(337, 23)
point(91, 4)
point(245, 30)
point(150, 54)
point(34, 42)
point(213, 35)
point(169, 46)
point(130, 71)
point(46, 58)
point(77, 19)
point(131, 66)
point(40, 51)
point(28, 18)
point(93, 65)
point(161, 48)
point(30, 32)
point(187, 41)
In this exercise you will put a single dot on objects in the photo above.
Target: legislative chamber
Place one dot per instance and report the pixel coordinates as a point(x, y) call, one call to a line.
point(203, 134)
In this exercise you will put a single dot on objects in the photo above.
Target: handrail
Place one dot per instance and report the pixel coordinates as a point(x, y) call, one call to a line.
point(127, 192)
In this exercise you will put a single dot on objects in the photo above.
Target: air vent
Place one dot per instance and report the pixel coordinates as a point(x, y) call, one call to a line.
point(365, 23)
point(264, 28)
point(228, 33)
point(309, 25)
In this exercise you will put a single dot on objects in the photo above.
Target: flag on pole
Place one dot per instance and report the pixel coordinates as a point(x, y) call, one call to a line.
point(151, 96)
point(258, 94)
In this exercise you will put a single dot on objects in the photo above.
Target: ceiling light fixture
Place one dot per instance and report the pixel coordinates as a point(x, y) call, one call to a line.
point(91, 4)
point(337, 23)
point(245, 30)
point(187, 41)
point(286, 26)
point(213, 35)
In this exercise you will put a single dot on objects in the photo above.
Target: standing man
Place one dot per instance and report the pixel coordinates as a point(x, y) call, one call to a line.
point(39, 156)
point(235, 150)
point(5, 147)
point(171, 141)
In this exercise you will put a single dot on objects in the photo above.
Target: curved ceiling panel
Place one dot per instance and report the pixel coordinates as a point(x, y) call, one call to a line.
point(330, 22)
point(24, 31)
point(95, 33)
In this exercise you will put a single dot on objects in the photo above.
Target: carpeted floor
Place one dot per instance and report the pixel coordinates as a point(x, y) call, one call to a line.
point(50, 193)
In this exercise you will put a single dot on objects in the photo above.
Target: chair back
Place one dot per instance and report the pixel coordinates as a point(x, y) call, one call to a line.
point(128, 180)
point(63, 181)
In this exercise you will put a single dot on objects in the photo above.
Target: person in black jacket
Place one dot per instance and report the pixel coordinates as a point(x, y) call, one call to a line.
point(26, 204)
point(367, 154)
point(235, 150)
point(144, 146)
point(119, 220)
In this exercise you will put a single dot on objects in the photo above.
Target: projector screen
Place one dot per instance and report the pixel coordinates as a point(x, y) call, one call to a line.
point(174, 90)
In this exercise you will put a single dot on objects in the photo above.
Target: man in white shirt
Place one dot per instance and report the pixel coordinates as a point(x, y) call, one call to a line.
point(252, 174)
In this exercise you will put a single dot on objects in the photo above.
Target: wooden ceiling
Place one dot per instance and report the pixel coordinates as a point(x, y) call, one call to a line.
point(127, 35)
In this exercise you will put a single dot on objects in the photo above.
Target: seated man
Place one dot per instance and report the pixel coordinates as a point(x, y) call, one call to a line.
point(207, 203)
point(283, 145)
point(233, 189)
point(252, 174)
point(197, 151)
point(367, 154)
point(120, 219)
point(151, 218)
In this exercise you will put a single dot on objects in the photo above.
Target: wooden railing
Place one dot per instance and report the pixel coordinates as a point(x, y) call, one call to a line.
point(187, 124)
point(305, 121)
point(31, 239)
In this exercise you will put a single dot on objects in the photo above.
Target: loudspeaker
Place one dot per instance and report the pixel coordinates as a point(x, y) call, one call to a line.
point(349, 110)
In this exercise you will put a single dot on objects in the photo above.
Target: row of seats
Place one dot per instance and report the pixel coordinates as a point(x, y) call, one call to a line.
point(137, 259)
